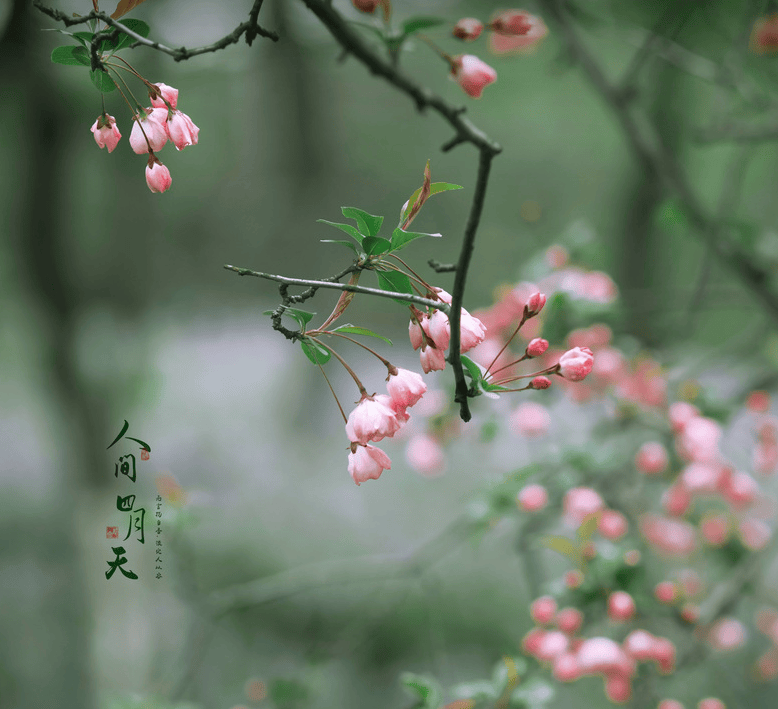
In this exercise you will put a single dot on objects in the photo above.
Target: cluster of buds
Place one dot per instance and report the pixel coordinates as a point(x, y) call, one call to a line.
point(432, 331)
point(571, 657)
point(377, 417)
point(153, 128)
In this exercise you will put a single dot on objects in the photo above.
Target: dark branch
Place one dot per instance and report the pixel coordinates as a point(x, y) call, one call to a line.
point(251, 29)
point(464, 132)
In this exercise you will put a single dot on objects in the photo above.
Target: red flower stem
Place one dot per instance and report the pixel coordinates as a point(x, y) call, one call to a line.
point(421, 280)
point(326, 379)
point(510, 339)
point(521, 359)
point(340, 359)
point(356, 342)
point(548, 370)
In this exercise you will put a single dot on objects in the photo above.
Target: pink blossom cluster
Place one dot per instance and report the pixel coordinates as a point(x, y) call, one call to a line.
point(153, 127)
point(511, 31)
point(555, 642)
point(377, 417)
point(431, 333)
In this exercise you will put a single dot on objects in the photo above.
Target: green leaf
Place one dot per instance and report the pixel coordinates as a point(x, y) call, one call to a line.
point(395, 281)
point(472, 369)
point(374, 245)
point(368, 224)
point(561, 545)
point(83, 37)
point(435, 188)
point(672, 217)
point(71, 55)
point(344, 242)
point(315, 352)
point(350, 230)
point(401, 238)
point(493, 387)
point(354, 330)
point(124, 40)
point(102, 81)
point(427, 689)
point(414, 24)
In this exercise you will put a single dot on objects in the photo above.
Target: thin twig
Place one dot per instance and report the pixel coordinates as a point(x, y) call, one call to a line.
point(408, 297)
point(251, 29)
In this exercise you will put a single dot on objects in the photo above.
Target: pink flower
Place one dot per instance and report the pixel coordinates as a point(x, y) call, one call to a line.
point(699, 440)
point(576, 363)
point(711, 703)
point(727, 634)
point(416, 333)
point(472, 74)
point(516, 22)
point(579, 503)
point(438, 329)
point(468, 28)
point(181, 130)
point(600, 655)
point(670, 704)
point(612, 524)
point(543, 610)
point(569, 620)
point(432, 359)
point(639, 644)
point(536, 347)
point(425, 455)
point(754, 533)
point(443, 295)
point(618, 688)
point(540, 383)
point(530, 419)
point(652, 458)
point(535, 304)
point(149, 125)
point(367, 463)
point(471, 331)
point(532, 498)
point(169, 94)
point(666, 592)
point(566, 667)
point(372, 420)
point(157, 176)
point(621, 606)
point(105, 131)
point(405, 388)
point(715, 529)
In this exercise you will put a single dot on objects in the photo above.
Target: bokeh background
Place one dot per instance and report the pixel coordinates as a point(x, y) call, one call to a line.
point(115, 306)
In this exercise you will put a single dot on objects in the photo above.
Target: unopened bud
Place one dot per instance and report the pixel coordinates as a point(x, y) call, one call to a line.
point(540, 383)
point(536, 347)
point(535, 304)
point(468, 28)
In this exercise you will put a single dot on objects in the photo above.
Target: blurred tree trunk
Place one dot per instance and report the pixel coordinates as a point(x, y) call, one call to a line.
point(59, 671)
point(640, 261)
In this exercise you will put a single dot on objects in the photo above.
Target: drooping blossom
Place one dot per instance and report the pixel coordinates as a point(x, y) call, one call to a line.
point(366, 462)
point(157, 176)
point(472, 74)
point(106, 132)
point(149, 131)
point(169, 94)
point(372, 420)
point(181, 130)
point(405, 388)
point(432, 359)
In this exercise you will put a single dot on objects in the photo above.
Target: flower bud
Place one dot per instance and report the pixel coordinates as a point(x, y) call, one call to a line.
point(532, 498)
point(543, 610)
point(368, 6)
point(105, 131)
point(666, 592)
point(536, 347)
point(148, 131)
point(569, 620)
point(652, 458)
point(621, 607)
point(158, 176)
point(432, 359)
point(540, 383)
point(535, 304)
point(468, 28)
point(181, 130)
point(472, 74)
point(575, 364)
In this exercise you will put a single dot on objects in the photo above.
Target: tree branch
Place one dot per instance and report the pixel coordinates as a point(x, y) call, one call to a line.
point(465, 132)
point(649, 149)
point(251, 29)
point(408, 297)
